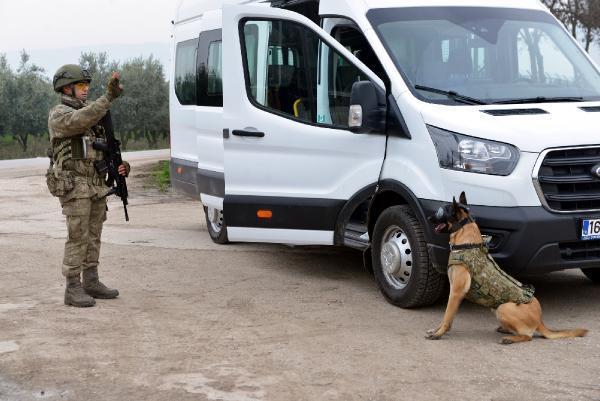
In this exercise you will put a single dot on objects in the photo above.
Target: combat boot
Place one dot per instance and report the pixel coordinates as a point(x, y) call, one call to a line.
point(75, 296)
point(92, 285)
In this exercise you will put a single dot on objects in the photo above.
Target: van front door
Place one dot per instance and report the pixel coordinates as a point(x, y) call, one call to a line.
point(291, 162)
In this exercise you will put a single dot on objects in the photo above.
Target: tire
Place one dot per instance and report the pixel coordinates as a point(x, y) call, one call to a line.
point(217, 228)
point(400, 260)
point(592, 274)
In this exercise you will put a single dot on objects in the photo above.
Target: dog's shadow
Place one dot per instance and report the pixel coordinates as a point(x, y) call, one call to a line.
point(565, 290)
point(562, 290)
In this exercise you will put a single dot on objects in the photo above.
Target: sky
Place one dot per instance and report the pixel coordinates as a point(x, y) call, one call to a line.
point(123, 28)
point(55, 24)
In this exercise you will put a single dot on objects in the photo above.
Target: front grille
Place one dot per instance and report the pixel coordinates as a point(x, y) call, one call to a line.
point(580, 250)
point(566, 182)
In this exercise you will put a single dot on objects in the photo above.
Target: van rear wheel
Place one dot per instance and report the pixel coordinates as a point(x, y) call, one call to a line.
point(215, 223)
point(592, 274)
point(401, 262)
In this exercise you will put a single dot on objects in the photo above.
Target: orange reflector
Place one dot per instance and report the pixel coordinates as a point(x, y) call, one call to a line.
point(179, 170)
point(264, 214)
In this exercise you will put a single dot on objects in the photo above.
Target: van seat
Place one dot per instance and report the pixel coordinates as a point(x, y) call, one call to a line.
point(280, 76)
point(283, 89)
point(432, 70)
point(460, 64)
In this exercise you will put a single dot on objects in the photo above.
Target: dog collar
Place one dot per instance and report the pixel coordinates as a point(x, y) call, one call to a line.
point(461, 224)
point(462, 247)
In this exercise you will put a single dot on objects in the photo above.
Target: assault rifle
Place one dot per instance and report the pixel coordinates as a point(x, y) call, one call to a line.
point(112, 160)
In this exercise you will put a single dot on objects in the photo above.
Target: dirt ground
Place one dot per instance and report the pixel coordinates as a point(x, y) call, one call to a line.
point(248, 322)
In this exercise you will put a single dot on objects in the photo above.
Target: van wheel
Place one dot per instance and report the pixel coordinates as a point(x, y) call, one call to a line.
point(592, 274)
point(215, 222)
point(401, 262)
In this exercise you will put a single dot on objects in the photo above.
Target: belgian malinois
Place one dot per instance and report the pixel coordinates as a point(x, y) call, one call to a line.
point(517, 310)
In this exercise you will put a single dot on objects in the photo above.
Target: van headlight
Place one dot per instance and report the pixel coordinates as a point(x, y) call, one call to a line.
point(475, 155)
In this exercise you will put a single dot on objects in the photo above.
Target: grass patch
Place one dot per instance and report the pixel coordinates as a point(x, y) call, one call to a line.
point(162, 176)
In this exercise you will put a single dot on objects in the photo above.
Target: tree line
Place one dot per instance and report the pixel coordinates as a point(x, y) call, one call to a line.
point(581, 17)
point(140, 114)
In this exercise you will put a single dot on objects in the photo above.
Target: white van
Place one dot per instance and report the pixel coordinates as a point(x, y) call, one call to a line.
point(346, 122)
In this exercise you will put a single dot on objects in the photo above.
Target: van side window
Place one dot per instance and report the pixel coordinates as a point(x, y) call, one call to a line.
point(356, 43)
point(215, 70)
point(210, 69)
point(281, 67)
point(341, 77)
point(290, 71)
point(251, 46)
point(185, 72)
point(342, 74)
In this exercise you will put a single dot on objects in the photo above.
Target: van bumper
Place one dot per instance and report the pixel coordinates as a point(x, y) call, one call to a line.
point(183, 174)
point(186, 177)
point(526, 240)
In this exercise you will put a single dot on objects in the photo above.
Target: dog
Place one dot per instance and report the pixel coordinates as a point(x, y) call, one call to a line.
point(474, 275)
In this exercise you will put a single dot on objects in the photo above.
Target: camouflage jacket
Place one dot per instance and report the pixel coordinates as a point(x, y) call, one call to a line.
point(71, 123)
point(490, 285)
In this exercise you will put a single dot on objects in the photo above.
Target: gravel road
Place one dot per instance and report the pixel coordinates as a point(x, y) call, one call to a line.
point(249, 322)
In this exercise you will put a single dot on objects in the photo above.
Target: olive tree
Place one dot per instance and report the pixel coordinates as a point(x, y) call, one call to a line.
point(581, 17)
point(30, 95)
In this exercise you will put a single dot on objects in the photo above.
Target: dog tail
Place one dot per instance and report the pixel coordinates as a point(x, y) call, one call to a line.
point(547, 333)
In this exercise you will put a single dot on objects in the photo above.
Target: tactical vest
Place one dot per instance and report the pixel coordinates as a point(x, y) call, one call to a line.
point(490, 285)
point(77, 148)
point(72, 161)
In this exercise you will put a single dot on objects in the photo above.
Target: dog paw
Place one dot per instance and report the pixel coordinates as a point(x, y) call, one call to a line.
point(506, 341)
point(433, 336)
point(502, 330)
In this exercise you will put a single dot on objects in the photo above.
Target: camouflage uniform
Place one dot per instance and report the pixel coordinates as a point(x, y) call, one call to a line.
point(72, 128)
point(490, 285)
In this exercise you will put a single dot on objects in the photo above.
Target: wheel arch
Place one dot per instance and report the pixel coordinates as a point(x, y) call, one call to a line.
point(389, 193)
point(348, 210)
point(393, 193)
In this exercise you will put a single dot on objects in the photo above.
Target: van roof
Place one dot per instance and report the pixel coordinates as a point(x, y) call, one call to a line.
point(188, 9)
point(528, 4)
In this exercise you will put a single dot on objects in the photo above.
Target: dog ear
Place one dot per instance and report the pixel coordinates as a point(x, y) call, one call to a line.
point(463, 198)
point(454, 205)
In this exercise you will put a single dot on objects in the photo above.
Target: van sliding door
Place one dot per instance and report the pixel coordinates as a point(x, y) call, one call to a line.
point(291, 162)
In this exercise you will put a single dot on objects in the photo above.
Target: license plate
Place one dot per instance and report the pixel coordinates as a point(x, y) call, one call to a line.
point(590, 229)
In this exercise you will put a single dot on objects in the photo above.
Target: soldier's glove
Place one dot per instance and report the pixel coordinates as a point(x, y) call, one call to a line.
point(124, 171)
point(114, 89)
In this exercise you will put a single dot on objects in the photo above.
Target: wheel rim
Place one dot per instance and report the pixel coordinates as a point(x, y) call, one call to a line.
point(215, 218)
point(396, 257)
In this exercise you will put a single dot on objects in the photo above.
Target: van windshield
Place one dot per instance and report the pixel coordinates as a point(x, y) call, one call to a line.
point(485, 53)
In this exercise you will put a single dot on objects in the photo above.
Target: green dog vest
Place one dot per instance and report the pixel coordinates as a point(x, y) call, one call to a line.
point(490, 285)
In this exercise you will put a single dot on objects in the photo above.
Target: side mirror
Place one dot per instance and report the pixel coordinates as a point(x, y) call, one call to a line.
point(367, 108)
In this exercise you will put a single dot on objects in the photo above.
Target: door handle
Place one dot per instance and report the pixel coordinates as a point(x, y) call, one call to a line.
point(253, 134)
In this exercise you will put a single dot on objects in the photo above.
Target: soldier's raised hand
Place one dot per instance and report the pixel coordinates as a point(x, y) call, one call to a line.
point(114, 88)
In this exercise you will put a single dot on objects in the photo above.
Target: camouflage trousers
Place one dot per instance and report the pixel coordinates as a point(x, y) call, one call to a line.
point(85, 218)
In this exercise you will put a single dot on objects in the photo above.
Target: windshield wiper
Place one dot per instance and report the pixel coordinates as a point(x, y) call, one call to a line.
point(451, 94)
point(541, 99)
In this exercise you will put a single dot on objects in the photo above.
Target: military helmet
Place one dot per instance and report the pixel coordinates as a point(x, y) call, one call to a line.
point(70, 74)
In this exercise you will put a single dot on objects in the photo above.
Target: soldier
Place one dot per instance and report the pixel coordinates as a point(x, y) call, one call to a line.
point(72, 127)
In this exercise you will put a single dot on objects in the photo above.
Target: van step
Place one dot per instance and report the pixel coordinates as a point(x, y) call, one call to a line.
point(356, 236)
